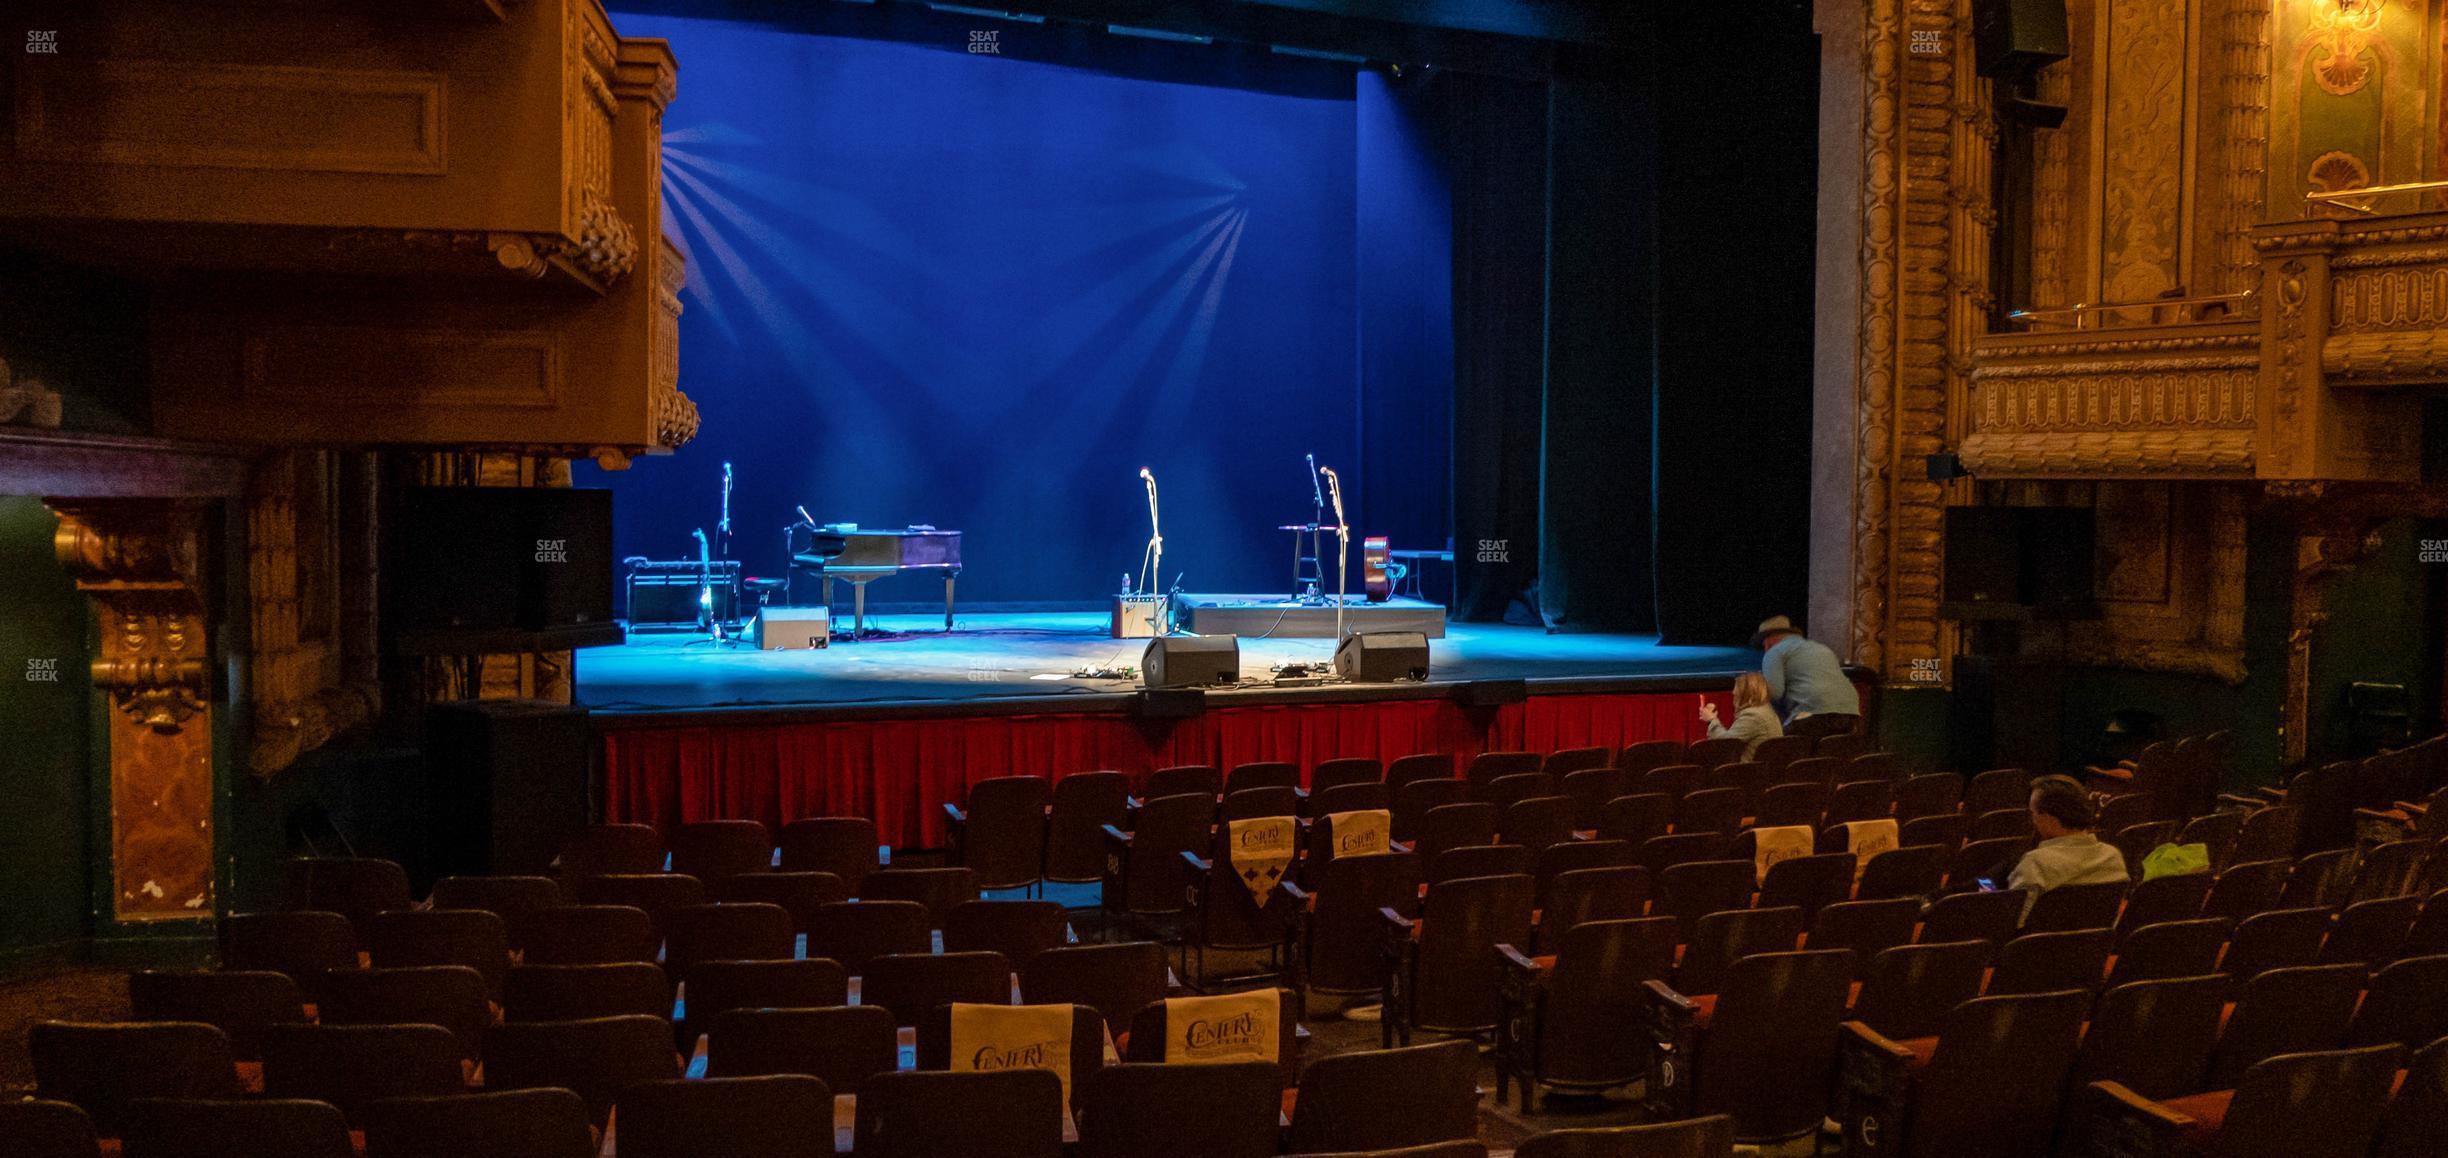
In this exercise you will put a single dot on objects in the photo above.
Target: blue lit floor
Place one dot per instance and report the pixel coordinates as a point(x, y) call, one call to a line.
point(1003, 655)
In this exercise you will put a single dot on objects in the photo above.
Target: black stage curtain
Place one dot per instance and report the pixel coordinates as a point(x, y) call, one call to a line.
point(1497, 139)
point(1632, 336)
point(1736, 221)
point(1594, 548)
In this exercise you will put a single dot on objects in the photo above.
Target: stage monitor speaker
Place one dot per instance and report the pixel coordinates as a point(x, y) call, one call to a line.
point(781, 627)
point(1190, 661)
point(2017, 37)
point(1382, 656)
point(526, 558)
point(506, 782)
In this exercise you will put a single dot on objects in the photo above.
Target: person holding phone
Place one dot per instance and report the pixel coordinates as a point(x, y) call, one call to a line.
point(2068, 852)
point(1754, 720)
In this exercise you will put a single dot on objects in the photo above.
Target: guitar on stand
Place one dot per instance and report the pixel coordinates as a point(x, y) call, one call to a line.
point(716, 627)
point(705, 583)
point(1378, 572)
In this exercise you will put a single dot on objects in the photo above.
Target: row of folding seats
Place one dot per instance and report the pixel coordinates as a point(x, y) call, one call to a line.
point(167, 1088)
point(1906, 967)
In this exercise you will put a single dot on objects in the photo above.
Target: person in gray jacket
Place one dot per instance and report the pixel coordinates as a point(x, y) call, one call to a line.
point(1804, 676)
point(1754, 720)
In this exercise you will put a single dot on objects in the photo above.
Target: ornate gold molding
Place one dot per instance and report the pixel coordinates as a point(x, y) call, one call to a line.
point(139, 561)
point(2410, 292)
point(2405, 358)
point(2245, 61)
point(2124, 453)
point(675, 413)
point(599, 241)
point(2158, 402)
point(1880, 279)
point(306, 691)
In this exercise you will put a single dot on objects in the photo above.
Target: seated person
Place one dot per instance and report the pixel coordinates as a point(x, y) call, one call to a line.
point(1754, 720)
point(2068, 852)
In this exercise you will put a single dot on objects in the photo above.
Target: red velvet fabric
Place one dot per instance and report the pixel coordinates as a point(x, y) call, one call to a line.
point(901, 772)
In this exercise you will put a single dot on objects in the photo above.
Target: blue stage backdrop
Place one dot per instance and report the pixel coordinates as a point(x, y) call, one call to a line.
point(978, 292)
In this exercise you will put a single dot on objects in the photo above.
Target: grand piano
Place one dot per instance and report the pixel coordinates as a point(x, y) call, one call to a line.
point(863, 556)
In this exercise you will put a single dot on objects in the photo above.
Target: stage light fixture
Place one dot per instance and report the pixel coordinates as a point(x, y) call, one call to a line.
point(987, 13)
point(1317, 54)
point(1159, 34)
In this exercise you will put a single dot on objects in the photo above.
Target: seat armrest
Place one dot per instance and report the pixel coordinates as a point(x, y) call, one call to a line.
point(1665, 996)
point(2120, 1123)
point(1516, 961)
point(1863, 1036)
point(2118, 1099)
point(1117, 837)
point(1396, 922)
point(953, 811)
point(1298, 894)
point(1197, 862)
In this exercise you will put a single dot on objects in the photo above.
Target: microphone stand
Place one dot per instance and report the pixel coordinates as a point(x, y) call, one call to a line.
point(722, 529)
point(1153, 557)
point(1317, 519)
point(1342, 544)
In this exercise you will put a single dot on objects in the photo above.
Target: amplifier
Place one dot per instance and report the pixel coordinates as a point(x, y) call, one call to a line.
point(781, 627)
point(663, 593)
point(1134, 616)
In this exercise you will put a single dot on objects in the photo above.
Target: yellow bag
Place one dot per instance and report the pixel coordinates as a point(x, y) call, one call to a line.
point(2175, 860)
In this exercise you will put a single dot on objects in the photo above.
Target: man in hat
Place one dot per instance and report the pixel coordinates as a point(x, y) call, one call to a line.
point(1804, 677)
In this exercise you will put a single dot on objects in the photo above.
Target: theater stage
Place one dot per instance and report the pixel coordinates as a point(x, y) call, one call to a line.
point(996, 657)
point(893, 729)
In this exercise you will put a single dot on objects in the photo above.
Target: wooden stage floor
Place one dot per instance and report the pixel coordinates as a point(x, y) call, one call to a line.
point(998, 657)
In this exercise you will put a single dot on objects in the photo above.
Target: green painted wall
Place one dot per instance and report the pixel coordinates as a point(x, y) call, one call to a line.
point(46, 781)
point(2384, 628)
point(2385, 625)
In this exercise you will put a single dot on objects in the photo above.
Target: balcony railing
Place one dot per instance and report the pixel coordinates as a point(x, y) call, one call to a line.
point(2369, 200)
point(2151, 311)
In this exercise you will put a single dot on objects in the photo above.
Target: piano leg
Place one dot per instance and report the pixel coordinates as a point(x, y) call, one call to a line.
point(858, 604)
point(949, 576)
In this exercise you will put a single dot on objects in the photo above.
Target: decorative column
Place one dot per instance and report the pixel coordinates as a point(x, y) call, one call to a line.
point(138, 560)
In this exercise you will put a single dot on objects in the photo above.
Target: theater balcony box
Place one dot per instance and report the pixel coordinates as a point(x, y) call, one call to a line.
point(459, 362)
point(2316, 375)
point(333, 135)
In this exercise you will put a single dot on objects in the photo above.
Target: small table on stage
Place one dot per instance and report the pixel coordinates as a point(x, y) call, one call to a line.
point(1413, 564)
point(867, 556)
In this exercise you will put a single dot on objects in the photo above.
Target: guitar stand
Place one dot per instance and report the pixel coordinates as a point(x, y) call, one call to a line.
point(720, 635)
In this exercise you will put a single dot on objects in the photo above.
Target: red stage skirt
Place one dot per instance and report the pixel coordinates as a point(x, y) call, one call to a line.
point(902, 771)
